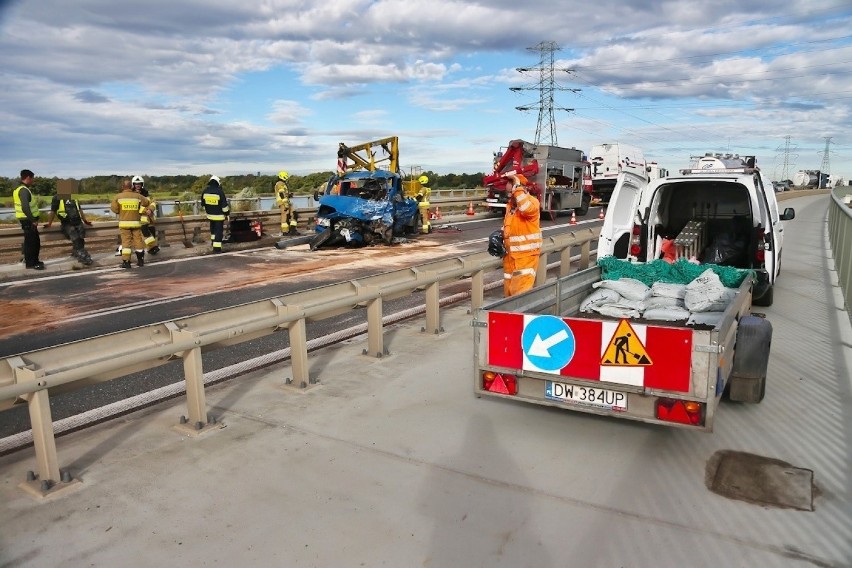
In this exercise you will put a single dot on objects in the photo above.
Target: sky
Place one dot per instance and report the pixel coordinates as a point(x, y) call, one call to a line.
point(167, 87)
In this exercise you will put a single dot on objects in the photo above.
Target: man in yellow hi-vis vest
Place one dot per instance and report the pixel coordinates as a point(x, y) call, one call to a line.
point(27, 213)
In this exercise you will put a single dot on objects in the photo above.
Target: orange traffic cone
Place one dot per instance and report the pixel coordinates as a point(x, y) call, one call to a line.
point(573, 218)
point(602, 213)
point(470, 210)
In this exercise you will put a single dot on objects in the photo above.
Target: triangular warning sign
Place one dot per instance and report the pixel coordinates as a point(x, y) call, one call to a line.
point(625, 349)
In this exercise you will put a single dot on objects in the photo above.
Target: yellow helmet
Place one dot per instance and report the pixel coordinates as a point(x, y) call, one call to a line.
point(282, 175)
point(423, 180)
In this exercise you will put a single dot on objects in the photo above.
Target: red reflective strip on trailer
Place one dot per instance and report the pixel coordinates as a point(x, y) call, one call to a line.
point(504, 339)
point(671, 351)
point(586, 363)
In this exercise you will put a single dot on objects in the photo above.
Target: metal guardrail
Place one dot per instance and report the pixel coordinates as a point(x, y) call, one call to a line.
point(840, 238)
point(10, 235)
point(31, 376)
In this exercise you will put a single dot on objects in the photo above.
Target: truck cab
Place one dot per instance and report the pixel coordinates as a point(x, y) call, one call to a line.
point(721, 210)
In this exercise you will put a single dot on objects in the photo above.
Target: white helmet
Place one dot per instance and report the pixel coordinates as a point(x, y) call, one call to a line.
point(138, 179)
point(216, 179)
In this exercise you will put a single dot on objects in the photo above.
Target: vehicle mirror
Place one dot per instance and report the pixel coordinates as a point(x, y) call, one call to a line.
point(316, 195)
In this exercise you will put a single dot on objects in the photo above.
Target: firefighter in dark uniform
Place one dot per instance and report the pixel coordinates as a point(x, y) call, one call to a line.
point(149, 231)
point(217, 209)
point(27, 213)
point(72, 221)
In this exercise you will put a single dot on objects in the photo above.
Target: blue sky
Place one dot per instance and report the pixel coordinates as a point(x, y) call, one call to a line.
point(162, 87)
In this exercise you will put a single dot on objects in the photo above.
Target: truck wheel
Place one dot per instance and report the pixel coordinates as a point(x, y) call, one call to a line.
point(767, 298)
point(584, 208)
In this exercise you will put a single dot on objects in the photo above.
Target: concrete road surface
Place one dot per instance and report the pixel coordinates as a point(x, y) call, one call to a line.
point(393, 462)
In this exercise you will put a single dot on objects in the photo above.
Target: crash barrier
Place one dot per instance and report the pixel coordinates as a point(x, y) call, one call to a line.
point(31, 377)
point(840, 238)
point(10, 235)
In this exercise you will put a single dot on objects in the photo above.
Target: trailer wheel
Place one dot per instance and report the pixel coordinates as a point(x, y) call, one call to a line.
point(751, 360)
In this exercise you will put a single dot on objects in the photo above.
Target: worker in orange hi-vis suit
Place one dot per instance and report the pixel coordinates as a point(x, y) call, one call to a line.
point(521, 237)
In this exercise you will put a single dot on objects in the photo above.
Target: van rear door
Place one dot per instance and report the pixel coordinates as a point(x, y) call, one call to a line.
point(622, 212)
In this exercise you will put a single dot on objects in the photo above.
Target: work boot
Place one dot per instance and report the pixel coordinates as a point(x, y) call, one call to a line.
point(140, 259)
point(154, 249)
point(125, 264)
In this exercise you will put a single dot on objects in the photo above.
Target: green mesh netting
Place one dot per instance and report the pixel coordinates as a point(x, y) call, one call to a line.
point(680, 272)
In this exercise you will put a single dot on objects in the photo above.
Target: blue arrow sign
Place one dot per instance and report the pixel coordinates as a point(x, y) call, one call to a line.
point(548, 343)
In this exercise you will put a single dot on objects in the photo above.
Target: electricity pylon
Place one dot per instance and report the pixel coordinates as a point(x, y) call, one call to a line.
point(825, 168)
point(545, 130)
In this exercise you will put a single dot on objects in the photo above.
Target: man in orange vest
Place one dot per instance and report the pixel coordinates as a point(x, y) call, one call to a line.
point(521, 237)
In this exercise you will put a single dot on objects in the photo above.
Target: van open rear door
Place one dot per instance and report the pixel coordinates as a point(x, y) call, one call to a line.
point(621, 214)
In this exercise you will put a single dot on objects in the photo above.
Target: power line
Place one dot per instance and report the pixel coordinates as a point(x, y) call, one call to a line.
point(545, 130)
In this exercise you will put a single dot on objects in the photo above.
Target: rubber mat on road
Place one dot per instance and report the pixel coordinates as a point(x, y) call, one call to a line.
point(760, 480)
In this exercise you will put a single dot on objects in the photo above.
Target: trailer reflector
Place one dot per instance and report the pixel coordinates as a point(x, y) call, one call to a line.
point(500, 383)
point(680, 411)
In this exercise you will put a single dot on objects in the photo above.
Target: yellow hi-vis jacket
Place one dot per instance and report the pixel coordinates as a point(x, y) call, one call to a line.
point(128, 205)
point(24, 207)
point(521, 228)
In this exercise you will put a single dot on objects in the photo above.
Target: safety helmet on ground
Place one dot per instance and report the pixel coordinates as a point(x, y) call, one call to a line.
point(423, 180)
point(216, 179)
point(138, 179)
point(495, 244)
point(284, 176)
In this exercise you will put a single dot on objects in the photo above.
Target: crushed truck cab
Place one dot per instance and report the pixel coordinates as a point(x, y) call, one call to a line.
point(367, 202)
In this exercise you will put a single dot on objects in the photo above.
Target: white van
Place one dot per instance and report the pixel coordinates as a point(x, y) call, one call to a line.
point(721, 210)
point(608, 161)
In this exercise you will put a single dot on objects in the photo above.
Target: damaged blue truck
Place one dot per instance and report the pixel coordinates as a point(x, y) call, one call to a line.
point(367, 201)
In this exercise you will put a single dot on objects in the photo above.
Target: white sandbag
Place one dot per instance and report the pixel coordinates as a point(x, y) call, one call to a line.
point(616, 311)
point(705, 318)
point(671, 313)
point(722, 304)
point(630, 288)
point(703, 292)
point(598, 297)
point(664, 302)
point(668, 290)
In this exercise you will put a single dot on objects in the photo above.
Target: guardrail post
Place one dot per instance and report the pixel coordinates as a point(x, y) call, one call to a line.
point(196, 423)
point(298, 352)
point(477, 290)
point(375, 334)
point(49, 479)
point(541, 271)
point(565, 261)
point(433, 309)
point(585, 251)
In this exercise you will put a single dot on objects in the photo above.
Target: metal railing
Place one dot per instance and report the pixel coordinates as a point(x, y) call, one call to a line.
point(31, 376)
point(10, 235)
point(840, 237)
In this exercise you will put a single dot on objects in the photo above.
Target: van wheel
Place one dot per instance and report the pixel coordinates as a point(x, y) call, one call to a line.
point(767, 298)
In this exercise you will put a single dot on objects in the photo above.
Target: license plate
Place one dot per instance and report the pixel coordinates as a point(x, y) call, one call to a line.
point(589, 396)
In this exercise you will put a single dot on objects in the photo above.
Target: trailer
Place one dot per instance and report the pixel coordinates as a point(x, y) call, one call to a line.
point(537, 347)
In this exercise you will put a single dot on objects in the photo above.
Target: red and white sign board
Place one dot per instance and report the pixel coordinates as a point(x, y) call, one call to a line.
point(620, 352)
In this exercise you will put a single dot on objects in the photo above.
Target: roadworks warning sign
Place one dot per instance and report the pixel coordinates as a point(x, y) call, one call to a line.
point(625, 348)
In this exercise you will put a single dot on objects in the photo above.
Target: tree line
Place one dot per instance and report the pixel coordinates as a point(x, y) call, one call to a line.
point(108, 186)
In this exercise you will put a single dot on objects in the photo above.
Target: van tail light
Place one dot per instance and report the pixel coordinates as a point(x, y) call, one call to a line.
point(760, 252)
point(500, 383)
point(680, 411)
point(636, 241)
